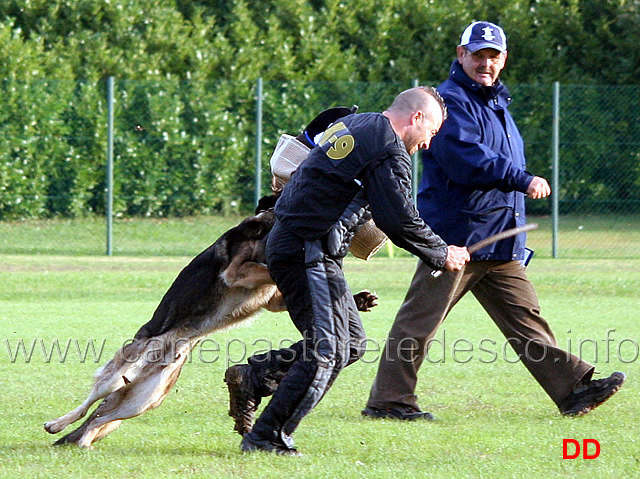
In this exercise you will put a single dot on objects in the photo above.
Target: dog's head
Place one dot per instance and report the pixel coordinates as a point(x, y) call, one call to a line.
point(255, 227)
point(267, 202)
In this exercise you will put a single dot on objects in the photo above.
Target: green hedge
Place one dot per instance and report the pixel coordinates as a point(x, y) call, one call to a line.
point(185, 89)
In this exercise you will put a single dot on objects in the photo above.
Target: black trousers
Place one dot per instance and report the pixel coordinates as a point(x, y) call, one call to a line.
point(322, 308)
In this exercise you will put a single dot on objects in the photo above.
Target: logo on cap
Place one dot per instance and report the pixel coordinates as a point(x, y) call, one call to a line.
point(488, 34)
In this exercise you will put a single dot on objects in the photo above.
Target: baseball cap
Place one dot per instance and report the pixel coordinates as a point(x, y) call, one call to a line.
point(480, 35)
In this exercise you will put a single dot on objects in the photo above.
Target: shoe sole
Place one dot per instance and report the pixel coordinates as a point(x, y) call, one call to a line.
point(250, 446)
point(382, 414)
point(606, 395)
point(243, 417)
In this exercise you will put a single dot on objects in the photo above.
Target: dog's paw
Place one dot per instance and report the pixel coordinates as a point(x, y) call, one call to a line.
point(53, 427)
point(365, 300)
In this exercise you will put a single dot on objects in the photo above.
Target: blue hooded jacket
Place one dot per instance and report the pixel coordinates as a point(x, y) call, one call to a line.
point(474, 171)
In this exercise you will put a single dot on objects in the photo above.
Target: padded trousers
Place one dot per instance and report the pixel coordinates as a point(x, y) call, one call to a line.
point(322, 308)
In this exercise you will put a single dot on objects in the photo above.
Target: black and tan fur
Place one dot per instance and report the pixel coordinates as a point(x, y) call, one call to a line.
point(225, 284)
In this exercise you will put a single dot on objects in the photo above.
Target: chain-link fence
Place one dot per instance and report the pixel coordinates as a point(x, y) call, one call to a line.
point(189, 147)
point(597, 167)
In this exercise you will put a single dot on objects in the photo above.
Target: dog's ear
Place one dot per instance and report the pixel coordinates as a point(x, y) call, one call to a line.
point(267, 202)
point(254, 227)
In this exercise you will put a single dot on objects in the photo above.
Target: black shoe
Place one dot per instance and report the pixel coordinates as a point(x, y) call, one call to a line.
point(243, 400)
point(406, 413)
point(587, 396)
point(250, 444)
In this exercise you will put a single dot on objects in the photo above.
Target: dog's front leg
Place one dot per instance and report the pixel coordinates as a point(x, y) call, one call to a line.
point(249, 275)
point(104, 430)
point(98, 425)
point(276, 303)
point(57, 425)
point(74, 436)
point(77, 434)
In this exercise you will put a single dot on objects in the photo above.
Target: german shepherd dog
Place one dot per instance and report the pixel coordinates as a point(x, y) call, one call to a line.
point(225, 284)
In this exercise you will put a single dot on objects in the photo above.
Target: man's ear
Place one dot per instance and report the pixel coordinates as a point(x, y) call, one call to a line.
point(416, 117)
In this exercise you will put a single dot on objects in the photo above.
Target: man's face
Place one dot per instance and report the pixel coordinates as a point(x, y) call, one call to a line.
point(482, 66)
point(425, 125)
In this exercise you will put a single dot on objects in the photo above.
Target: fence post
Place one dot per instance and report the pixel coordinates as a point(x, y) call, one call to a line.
point(109, 165)
point(555, 158)
point(258, 173)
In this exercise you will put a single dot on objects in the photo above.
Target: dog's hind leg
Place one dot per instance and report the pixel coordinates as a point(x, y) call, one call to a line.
point(137, 398)
point(105, 384)
point(74, 436)
point(106, 429)
point(108, 379)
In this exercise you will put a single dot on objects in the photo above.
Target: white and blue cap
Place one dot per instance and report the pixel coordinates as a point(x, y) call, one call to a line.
point(480, 35)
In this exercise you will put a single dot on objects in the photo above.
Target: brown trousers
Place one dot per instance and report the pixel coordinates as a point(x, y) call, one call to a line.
point(503, 290)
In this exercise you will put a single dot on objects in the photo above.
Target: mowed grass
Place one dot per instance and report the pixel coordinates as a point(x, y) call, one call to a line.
point(493, 420)
point(579, 236)
point(131, 237)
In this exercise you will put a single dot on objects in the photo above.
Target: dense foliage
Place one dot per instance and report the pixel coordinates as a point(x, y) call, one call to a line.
point(186, 73)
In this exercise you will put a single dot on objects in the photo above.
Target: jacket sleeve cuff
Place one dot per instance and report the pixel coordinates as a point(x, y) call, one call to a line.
point(438, 261)
point(523, 181)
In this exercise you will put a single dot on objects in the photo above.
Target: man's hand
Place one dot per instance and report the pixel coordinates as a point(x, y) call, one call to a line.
point(538, 188)
point(276, 184)
point(457, 257)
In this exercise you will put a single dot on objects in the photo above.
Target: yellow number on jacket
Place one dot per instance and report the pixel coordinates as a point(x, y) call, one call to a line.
point(342, 143)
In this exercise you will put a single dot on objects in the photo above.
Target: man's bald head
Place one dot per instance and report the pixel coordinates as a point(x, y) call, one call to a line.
point(420, 98)
point(416, 115)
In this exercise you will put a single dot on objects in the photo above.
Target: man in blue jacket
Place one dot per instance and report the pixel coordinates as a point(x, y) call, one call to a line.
point(473, 186)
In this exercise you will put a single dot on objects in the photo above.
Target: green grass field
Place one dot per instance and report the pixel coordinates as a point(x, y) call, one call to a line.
point(493, 420)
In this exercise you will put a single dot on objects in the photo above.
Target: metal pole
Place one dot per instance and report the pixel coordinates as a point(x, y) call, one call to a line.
point(109, 166)
point(258, 173)
point(415, 159)
point(555, 181)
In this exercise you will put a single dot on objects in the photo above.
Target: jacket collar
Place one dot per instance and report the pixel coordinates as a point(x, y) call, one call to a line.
point(498, 90)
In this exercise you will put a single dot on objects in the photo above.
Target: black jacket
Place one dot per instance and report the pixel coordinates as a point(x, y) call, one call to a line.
point(359, 155)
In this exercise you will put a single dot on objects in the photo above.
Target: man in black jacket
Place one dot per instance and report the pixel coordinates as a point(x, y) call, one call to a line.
point(360, 164)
